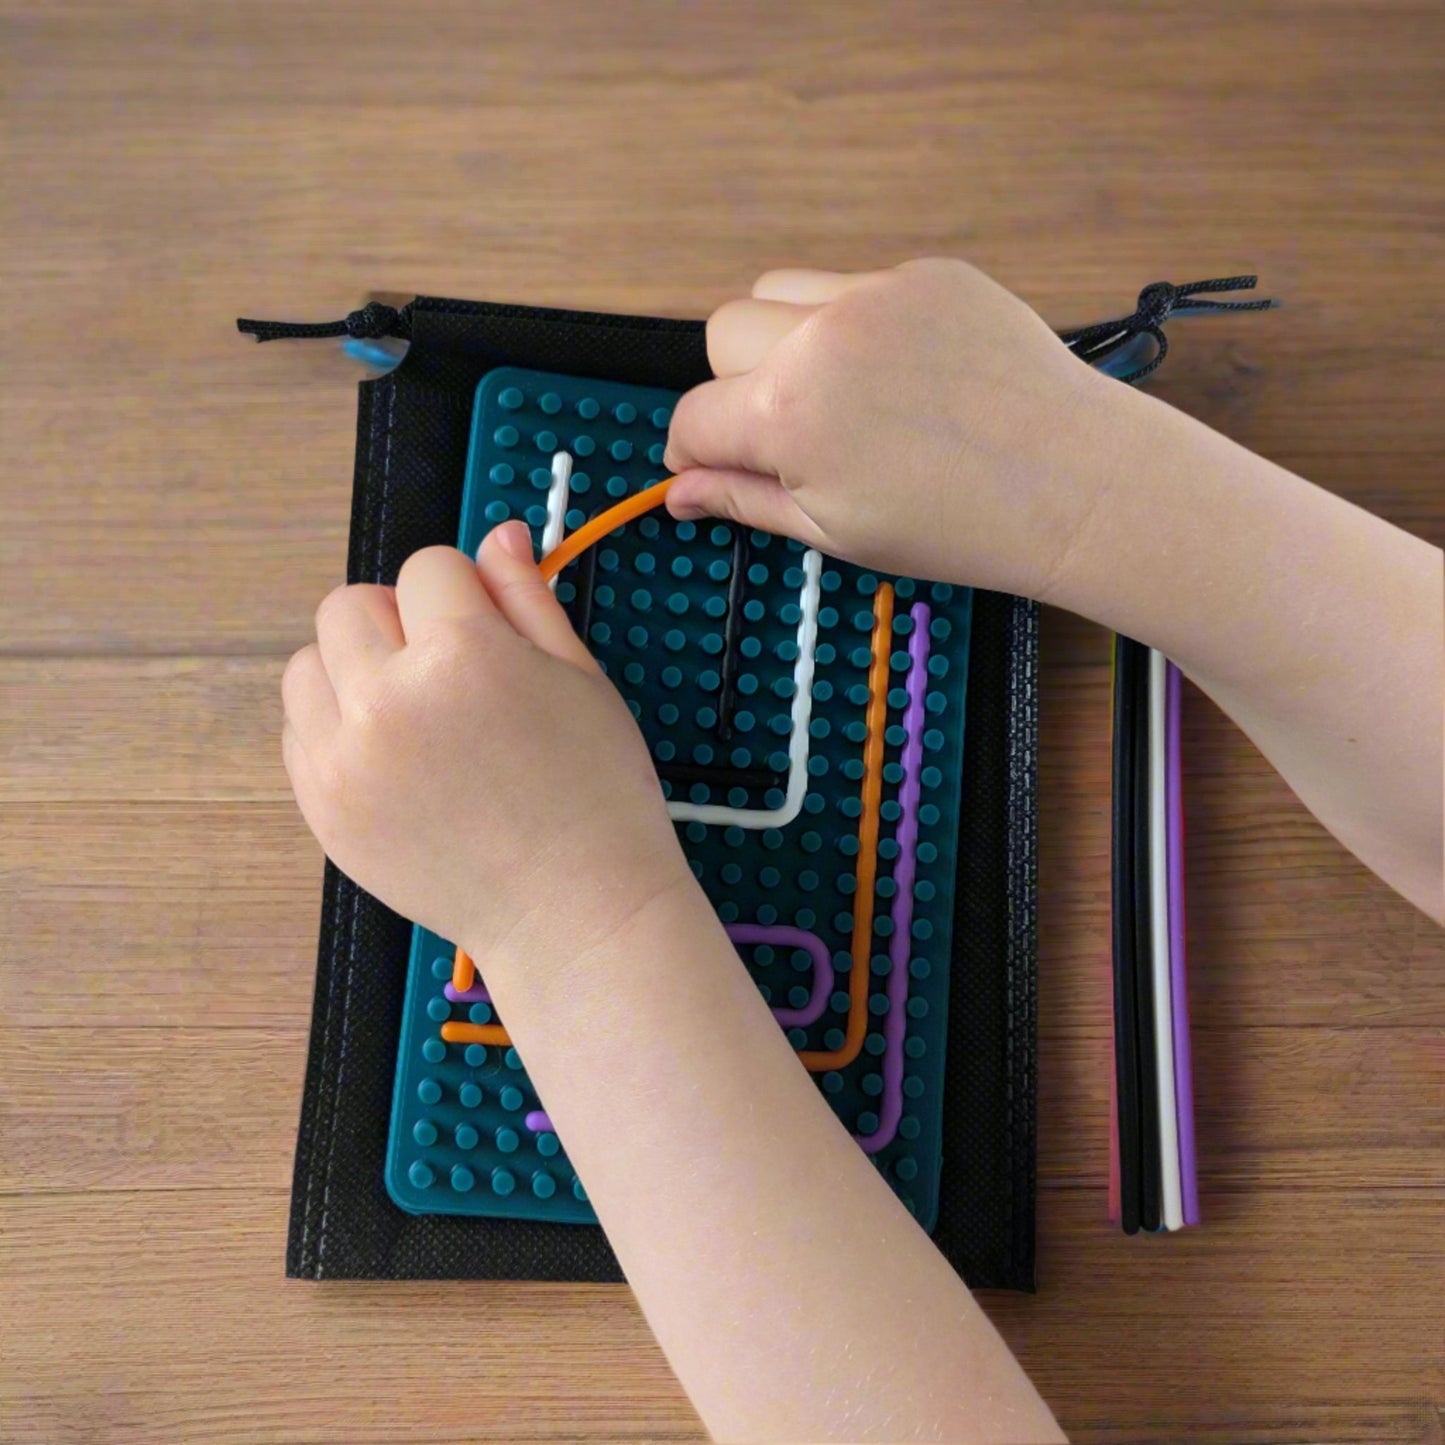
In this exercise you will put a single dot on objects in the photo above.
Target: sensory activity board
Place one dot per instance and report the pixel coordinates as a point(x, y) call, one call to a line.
point(807, 722)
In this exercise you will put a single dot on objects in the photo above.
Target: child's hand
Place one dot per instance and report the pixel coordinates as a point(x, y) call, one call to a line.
point(921, 420)
point(457, 752)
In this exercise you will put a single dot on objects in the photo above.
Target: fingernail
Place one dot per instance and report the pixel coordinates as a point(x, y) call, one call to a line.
point(515, 540)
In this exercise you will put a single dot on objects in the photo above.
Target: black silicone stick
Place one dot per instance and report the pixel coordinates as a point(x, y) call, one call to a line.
point(1126, 1036)
point(1151, 1146)
point(732, 634)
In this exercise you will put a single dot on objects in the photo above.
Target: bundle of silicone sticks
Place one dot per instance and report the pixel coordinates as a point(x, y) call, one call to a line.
point(1153, 1179)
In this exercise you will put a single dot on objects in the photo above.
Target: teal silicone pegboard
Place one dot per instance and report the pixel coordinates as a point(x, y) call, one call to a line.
point(699, 628)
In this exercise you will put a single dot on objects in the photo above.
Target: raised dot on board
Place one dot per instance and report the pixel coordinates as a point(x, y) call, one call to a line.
point(421, 1174)
point(543, 1185)
point(625, 413)
point(509, 398)
point(503, 1181)
point(506, 436)
point(430, 1092)
point(462, 1178)
point(620, 450)
point(465, 1136)
point(588, 409)
point(424, 1132)
point(470, 1095)
point(511, 1098)
point(548, 1145)
point(550, 402)
point(501, 475)
point(506, 1140)
point(433, 1051)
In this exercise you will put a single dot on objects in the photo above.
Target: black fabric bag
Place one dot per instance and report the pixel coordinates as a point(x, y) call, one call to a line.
point(411, 446)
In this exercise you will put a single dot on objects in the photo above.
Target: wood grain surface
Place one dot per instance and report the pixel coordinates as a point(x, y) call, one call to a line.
point(175, 503)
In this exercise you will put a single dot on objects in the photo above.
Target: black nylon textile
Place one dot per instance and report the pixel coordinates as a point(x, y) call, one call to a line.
point(412, 437)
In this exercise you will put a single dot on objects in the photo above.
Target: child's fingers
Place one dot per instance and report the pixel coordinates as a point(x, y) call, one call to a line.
point(745, 498)
point(357, 629)
point(720, 424)
point(308, 697)
point(506, 567)
point(741, 333)
point(439, 584)
point(802, 287)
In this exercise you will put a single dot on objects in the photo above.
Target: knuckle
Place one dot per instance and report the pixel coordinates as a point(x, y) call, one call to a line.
point(425, 560)
point(331, 605)
point(293, 675)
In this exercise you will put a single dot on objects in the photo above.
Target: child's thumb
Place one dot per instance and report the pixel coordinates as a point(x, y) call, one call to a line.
point(510, 575)
point(746, 498)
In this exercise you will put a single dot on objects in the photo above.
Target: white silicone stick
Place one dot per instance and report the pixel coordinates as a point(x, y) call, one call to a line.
point(558, 495)
point(1171, 1193)
point(716, 814)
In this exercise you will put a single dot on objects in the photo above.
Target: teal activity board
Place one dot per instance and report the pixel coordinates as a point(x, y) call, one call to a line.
point(807, 722)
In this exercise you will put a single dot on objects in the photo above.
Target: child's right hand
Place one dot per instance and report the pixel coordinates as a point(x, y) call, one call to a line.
point(921, 420)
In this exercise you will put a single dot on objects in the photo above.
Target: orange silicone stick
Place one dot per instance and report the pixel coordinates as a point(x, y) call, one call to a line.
point(464, 972)
point(876, 717)
point(475, 1034)
point(576, 543)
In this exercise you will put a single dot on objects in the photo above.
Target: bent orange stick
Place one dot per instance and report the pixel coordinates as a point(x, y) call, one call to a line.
point(815, 1061)
point(818, 1061)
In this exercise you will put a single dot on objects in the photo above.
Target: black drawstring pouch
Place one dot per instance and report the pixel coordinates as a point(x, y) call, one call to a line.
point(411, 450)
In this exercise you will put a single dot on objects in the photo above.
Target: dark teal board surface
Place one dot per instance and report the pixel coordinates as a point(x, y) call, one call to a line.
point(655, 598)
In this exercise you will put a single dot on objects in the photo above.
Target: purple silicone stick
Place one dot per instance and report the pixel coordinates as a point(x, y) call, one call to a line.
point(895, 1023)
point(539, 1123)
point(477, 993)
point(781, 935)
point(1178, 974)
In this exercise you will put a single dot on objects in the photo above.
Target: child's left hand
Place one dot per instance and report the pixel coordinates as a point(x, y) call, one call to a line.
point(457, 751)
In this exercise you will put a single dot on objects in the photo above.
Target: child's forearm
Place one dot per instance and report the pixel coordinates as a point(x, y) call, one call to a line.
point(1318, 627)
point(790, 1290)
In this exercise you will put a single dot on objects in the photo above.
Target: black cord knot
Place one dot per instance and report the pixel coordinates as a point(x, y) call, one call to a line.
point(374, 320)
point(1156, 304)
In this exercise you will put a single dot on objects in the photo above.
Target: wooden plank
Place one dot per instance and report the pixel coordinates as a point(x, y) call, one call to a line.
point(191, 913)
point(176, 1305)
point(1297, 1111)
point(211, 491)
point(1284, 925)
point(1286, 1109)
point(175, 502)
point(153, 729)
point(166, 913)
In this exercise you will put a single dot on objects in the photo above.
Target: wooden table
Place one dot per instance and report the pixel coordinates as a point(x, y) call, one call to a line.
point(176, 501)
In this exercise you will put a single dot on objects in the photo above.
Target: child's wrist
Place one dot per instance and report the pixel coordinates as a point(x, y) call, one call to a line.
point(559, 933)
point(1117, 445)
